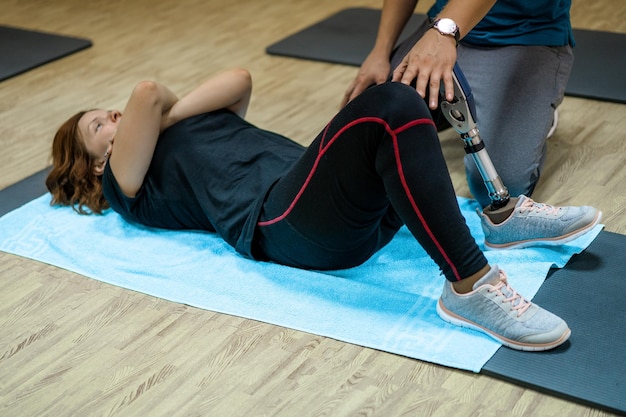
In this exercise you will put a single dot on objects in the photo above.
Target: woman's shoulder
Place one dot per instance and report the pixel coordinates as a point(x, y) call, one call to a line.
point(113, 194)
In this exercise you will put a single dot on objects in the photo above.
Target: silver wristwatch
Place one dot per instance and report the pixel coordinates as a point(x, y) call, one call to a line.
point(447, 27)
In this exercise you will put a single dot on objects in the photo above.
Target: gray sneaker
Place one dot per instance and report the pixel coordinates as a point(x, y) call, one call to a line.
point(533, 223)
point(494, 308)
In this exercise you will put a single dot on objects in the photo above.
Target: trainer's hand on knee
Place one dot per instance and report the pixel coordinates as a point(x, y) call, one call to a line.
point(429, 63)
point(374, 70)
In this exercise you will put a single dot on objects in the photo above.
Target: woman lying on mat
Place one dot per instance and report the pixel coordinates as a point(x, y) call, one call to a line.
point(195, 163)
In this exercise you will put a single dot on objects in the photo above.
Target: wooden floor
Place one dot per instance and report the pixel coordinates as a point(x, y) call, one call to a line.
point(71, 346)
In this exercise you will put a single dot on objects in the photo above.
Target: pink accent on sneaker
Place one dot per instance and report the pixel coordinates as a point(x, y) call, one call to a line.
point(530, 205)
point(522, 304)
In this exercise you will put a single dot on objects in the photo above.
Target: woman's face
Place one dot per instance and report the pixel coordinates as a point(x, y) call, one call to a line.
point(97, 129)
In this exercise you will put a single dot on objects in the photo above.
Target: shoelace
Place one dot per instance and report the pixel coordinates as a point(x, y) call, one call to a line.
point(530, 205)
point(518, 302)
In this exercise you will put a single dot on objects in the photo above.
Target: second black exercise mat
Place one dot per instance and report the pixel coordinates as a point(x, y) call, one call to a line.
point(590, 294)
point(22, 50)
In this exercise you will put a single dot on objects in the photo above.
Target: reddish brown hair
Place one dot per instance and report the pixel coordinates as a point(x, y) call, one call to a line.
point(72, 181)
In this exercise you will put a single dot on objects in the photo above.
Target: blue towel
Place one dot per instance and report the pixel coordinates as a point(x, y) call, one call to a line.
point(388, 303)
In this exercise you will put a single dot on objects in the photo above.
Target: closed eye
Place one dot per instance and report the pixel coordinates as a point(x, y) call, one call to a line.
point(95, 124)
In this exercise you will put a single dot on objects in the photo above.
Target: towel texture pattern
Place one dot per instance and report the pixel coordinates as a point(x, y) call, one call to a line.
point(388, 303)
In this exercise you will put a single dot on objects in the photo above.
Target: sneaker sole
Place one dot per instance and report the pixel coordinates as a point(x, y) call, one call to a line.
point(455, 319)
point(546, 241)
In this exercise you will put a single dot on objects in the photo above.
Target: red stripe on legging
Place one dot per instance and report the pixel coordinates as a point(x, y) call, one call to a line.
point(393, 133)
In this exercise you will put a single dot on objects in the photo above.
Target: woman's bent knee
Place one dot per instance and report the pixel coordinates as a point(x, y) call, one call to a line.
point(396, 99)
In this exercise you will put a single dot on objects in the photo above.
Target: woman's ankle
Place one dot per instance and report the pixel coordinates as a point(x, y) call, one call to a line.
point(467, 284)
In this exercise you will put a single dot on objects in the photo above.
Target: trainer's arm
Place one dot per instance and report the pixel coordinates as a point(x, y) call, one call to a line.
point(393, 18)
point(432, 58)
point(375, 68)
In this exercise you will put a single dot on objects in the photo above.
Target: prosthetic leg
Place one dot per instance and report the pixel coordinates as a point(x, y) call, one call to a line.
point(461, 114)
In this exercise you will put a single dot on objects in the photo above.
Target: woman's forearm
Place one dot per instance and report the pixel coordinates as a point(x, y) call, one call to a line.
point(230, 89)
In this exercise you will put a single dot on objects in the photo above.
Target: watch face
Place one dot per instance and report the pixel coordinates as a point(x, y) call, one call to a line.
point(446, 25)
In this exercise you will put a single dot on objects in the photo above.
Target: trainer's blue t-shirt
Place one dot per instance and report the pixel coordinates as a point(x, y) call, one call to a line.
point(520, 22)
point(208, 172)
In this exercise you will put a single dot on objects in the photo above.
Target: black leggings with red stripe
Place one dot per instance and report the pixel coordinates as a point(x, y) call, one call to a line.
point(376, 166)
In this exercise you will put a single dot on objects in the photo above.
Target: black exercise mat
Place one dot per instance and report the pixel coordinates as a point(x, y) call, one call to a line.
point(599, 70)
point(589, 293)
point(343, 38)
point(347, 37)
point(22, 50)
point(590, 368)
point(18, 194)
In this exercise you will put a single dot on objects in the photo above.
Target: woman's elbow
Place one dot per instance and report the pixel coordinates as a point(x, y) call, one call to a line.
point(244, 77)
point(148, 92)
point(146, 87)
